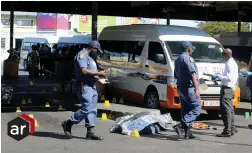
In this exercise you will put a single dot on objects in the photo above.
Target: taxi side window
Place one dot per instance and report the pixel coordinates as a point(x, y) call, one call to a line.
point(27, 45)
point(156, 53)
point(122, 51)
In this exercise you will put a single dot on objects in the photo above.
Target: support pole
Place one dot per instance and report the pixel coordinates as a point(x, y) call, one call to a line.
point(11, 64)
point(168, 17)
point(239, 21)
point(11, 26)
point(94, 19)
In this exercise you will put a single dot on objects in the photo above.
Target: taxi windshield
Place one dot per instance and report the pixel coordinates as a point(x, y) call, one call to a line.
point(204, 51)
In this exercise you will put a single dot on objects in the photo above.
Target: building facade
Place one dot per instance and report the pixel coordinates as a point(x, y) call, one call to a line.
point(36, 24)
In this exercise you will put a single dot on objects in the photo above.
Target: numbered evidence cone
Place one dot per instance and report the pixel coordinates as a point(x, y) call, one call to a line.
point(18, 110)
point(104, 116)
point(31, 116)
point(247, 115)
point(31, 83)
point(23, 102)
point(102, 98)
point(47, 104)
point(29, 101)
point(106, 103)
point(60, 107)
point(135, 133)
point(114, 100)
point(121, 101)
point(54, 89)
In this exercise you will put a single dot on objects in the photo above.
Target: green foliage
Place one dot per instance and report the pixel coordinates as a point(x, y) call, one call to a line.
point(213, 28)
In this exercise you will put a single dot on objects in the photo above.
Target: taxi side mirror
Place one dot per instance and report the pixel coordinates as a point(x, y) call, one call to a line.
point(160, 58)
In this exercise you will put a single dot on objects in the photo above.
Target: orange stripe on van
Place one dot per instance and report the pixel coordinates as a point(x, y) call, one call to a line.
point(130, 65)
point(158, 68)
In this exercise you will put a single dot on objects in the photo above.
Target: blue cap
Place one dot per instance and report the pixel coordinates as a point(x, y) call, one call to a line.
point(96, 45)
point(187, 45)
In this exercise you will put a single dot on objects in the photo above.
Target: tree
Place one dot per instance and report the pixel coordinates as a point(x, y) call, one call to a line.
point(213, 28)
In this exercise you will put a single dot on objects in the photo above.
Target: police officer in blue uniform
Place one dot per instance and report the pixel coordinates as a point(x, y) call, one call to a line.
point(86, 75)
point(248, 73)
point(186, 73)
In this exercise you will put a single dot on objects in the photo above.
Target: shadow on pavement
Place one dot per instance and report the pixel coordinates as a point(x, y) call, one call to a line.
point(50, 135)
point(221, 125)
point(54, 135)
point(163, 137)
point(202, 132)
point(177, 138)
point(227, 143)
point(241, 111)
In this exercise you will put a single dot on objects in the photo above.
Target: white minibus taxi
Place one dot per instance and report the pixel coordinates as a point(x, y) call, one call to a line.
point(141, 59)
point(26, 46)
point(74, 40)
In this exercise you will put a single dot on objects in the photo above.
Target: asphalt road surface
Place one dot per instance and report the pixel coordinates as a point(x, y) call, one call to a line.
point(49, 138)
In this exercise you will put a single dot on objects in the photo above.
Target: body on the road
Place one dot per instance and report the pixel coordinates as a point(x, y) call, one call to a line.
point(229, 80)
point(86, 75)
point(186, 73)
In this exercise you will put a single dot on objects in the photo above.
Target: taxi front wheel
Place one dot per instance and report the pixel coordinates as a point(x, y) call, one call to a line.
point(152, 100)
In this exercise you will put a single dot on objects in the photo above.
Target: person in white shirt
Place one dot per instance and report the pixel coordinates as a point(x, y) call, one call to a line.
point(229, 80)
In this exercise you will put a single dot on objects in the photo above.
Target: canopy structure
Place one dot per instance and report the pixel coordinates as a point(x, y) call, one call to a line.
point(198, 10)
point(187, 10)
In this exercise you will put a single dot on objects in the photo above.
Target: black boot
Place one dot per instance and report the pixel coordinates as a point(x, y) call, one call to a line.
point(233, 131)
point(67, 126)
point(188, 133)
point(224, 134)
point(91, 136)
point(177, 129)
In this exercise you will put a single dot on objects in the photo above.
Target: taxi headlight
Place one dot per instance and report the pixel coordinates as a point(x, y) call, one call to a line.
point(171, 81)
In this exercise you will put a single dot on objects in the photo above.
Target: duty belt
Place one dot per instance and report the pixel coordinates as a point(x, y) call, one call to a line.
point(224, 86)
point(186, 86)
point(86, 84)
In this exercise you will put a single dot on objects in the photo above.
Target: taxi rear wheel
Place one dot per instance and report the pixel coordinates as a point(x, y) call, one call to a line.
point(152, 100)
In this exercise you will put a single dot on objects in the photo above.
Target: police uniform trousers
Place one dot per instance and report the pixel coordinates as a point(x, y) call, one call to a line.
point(190, 105)
point(250, 94)
point(226, 108)
point(249, 85)
point(88, 98)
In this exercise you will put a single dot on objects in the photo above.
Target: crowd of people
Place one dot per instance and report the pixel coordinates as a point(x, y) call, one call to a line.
point(42, 58)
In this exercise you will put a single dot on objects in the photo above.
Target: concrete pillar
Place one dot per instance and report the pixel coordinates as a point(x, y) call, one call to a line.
point(239, 22)
point(168, 17)
point(11, 26)
point(94, 19)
